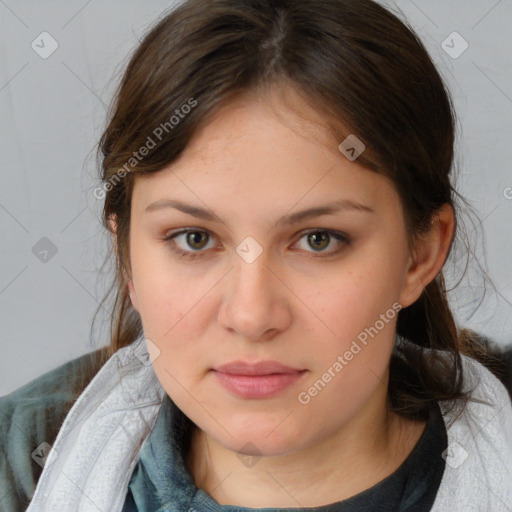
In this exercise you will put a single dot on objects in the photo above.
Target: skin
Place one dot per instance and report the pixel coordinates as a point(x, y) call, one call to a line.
point(297, 303)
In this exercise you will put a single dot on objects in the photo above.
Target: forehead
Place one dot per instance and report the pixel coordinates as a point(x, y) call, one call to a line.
point(278, 111)
point(264, 149)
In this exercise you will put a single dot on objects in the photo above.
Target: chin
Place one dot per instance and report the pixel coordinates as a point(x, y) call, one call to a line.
point(257, 442)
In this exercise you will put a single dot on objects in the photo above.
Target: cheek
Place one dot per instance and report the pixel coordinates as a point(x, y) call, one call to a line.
point(350, 364)
point(358, 304)
point(173, 310)
point(352, 300)
point(161, 291)
point(170, 309)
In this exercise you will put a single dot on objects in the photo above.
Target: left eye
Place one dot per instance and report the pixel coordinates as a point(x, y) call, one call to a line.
point(197, 239)
point(321, 238)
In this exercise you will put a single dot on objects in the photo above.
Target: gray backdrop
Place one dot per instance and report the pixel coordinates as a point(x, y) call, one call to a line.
point(59, 65)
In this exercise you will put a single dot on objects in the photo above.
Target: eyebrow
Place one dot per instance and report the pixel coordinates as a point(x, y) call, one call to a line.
point(292, 218)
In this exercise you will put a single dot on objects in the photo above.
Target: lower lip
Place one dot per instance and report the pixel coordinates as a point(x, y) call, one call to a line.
point(258, 386)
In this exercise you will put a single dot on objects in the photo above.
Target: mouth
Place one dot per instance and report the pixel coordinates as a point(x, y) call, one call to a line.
point(258, 380)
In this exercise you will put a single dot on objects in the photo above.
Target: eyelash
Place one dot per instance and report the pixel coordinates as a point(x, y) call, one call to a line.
point(191, 255)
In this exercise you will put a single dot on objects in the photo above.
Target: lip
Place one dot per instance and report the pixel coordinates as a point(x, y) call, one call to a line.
point(263, 379)
point(258, 368)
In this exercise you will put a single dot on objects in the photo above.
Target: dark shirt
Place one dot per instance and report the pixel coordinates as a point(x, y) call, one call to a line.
point(161, 481)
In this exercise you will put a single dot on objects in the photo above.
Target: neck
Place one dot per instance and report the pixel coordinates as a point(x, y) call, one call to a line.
point(358, 455)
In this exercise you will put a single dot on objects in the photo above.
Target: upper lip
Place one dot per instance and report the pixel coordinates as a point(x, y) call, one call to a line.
point(258, 368)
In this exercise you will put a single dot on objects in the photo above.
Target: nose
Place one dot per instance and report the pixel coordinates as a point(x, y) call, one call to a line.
point(255, 302)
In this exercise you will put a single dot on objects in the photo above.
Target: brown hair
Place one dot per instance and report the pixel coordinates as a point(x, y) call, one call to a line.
point(357, 64)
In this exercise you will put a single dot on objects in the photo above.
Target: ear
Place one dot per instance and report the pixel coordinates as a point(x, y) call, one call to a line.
point(133, 295)
point(113, 230)
point(430, 252)
point(129, 281)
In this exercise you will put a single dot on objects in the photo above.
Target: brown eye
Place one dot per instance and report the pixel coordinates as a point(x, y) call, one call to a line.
point(191, 243)
point(320, 239)
point(196, 239)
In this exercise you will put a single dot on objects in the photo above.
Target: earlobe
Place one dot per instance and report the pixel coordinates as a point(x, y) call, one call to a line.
point(430, 253)
point(133, 295)
point(113, 230)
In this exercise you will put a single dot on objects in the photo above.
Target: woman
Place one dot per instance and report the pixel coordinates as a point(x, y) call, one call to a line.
point(276, 178)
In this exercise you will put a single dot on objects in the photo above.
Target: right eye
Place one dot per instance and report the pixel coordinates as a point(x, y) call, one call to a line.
point(193, 238)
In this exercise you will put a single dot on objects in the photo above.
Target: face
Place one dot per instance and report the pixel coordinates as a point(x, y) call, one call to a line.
point(249, 279)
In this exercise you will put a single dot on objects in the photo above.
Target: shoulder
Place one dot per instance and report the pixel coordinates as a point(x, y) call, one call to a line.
point(30, 418)
point(478, 468)
point(484, 384)
point(51, 390)
point(489, 406)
